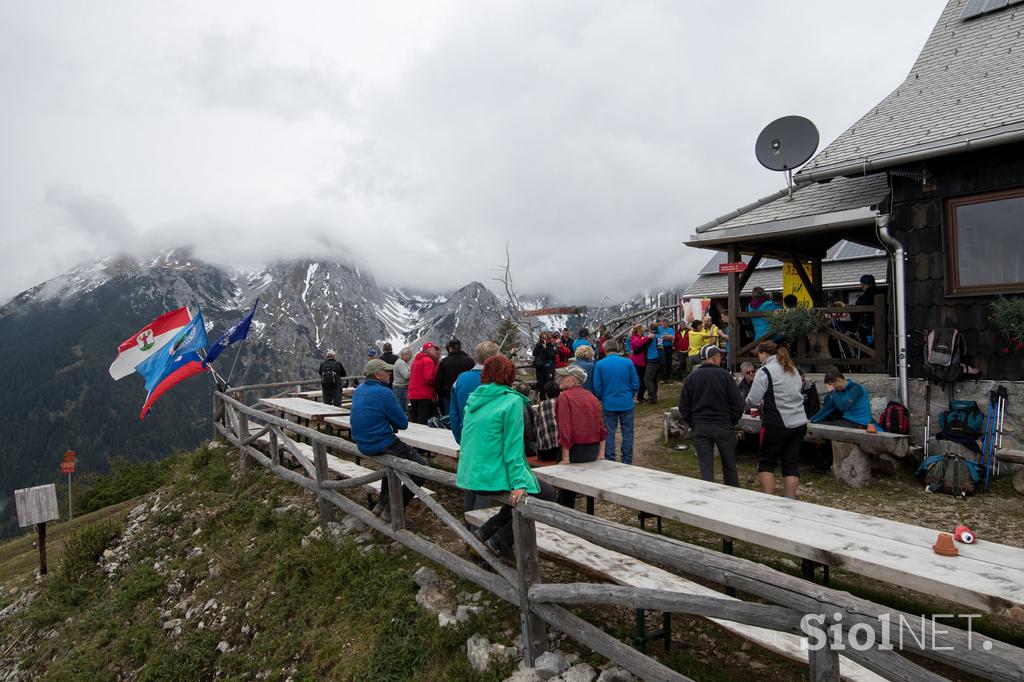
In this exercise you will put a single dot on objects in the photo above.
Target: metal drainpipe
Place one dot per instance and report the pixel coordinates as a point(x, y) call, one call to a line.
point(882, 222)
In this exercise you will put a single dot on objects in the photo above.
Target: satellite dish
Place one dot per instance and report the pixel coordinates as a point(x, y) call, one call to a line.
point(786, 143)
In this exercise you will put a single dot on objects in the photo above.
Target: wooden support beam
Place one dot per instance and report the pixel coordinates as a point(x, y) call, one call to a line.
point(751, 266)
point(813, 290)
point(320, 464)
point(534, 632)
point(734, 307)
point(824, 663)
point(819, 281)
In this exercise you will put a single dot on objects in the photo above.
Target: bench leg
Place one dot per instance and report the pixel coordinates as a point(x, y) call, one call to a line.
point(641, 636)
point(590, 505)
point(727, 549)
point(807, 568)
point(643, 516)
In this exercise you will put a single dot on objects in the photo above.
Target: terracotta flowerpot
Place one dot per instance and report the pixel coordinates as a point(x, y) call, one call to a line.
point(944, 545)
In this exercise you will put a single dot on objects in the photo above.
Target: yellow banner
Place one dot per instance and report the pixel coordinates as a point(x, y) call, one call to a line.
point(792, 284)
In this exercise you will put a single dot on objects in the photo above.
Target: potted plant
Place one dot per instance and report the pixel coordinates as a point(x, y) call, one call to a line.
point(1008, 317)
point(795, 323)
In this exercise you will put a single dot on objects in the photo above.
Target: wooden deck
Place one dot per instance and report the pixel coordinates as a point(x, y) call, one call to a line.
point(986, 575)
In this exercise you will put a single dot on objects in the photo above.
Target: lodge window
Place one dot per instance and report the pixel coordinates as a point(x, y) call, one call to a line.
point(985, 243)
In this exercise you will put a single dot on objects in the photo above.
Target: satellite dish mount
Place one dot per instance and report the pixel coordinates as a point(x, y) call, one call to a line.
point(786, 143)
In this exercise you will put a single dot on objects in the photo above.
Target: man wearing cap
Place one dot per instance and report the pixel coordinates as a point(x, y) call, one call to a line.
point(376, 418)
point(710, 403)
point(422, 380)
point(864, 323)
point(331, 371)
point(581, 429)
point(453, 364)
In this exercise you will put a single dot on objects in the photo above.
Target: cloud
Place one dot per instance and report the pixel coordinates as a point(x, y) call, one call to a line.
point(233, 72)
point(418, 139)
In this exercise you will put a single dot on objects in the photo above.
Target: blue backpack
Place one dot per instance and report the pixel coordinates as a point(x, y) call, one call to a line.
point(963, 417)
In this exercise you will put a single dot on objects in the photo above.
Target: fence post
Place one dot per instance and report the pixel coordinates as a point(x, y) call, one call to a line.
point(824, 664)
point(534, 630)
point(218, 415)
point(320, 466)
point(275, 449)
point(243, 432)
point(395, 501)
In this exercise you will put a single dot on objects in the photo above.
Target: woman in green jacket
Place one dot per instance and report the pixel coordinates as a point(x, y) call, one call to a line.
point(492, 460)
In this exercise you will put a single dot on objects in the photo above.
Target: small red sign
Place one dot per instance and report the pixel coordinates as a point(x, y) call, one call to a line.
point(67, 467)
point(725, 268)
point(69, 456)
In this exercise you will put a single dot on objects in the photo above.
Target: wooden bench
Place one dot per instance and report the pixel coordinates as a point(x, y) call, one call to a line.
point(341, 467)
point(621, 569)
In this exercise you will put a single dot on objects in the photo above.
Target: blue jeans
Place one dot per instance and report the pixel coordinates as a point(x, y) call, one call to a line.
point(611, 420)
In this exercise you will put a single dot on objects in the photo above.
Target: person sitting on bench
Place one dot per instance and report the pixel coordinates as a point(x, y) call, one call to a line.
point(846, 404)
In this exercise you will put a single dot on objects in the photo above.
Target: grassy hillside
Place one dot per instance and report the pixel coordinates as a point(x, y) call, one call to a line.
point(211, 576)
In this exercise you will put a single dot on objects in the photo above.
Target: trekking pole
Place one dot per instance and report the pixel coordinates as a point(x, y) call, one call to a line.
point(987, 432)
point(928, 416)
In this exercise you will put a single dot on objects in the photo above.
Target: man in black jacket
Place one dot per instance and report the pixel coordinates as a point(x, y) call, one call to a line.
point(388, 356)
point(710, 403)
point(452, 365)
point(331, 371)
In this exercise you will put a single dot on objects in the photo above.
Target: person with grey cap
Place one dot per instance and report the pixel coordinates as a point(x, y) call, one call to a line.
point(400, 378)
point(581, 429)
point(376, 418)
point(331, 372)
point(711, 404)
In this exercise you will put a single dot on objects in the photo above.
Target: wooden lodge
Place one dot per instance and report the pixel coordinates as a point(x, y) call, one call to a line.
point(934, 176)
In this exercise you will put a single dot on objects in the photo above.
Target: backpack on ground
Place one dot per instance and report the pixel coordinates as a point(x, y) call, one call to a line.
point(895, 418)
point(944, 353)
point(329, 379)
point(949, 474)
point(964, 417)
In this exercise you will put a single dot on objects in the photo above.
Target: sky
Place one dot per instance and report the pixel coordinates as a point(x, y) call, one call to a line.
point(417, 138)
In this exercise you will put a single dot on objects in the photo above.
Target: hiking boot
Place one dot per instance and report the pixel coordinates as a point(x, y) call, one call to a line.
point(383, 510)
point(503, 551)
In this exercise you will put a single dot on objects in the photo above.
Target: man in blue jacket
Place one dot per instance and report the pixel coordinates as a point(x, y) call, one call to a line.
point(615, 384)
point(847, 403)
point(376, 418)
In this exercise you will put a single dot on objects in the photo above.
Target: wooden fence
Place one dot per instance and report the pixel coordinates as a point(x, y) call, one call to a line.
point(544, 604)
point(852, 353)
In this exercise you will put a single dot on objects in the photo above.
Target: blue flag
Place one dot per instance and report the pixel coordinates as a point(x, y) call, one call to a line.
point(236, 332)
point(156, 367)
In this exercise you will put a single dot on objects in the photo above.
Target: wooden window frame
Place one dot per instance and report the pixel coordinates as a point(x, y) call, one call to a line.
point(952, 250)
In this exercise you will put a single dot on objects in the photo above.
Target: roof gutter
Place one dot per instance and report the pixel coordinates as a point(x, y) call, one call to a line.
point(873, 164)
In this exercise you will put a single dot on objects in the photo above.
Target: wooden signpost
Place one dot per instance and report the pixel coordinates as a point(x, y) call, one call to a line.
point(68, 467)
point(37, 506)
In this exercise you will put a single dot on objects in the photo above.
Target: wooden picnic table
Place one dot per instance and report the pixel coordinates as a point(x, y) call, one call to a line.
point(439, 441)
point(309, 410)
point(318, 394)
point(986, 576)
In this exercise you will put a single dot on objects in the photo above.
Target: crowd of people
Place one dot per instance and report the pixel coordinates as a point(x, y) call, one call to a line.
point(586, 391)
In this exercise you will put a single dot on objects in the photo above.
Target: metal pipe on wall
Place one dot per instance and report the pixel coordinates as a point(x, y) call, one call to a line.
point(900, 288)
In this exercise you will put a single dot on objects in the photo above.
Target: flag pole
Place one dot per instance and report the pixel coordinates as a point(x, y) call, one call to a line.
point(237, 353)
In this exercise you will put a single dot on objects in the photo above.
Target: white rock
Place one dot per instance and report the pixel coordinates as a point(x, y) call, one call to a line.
point(223, 647)
point(197, 531)
point(524, 675)
point(108, 554)
point(463, 613)
point(425, 577)
point(581, 672)
point(353, 525)
point(137, 510)
point(172, 624)
point(549, 664)
point(478, 650)
point(615, 674)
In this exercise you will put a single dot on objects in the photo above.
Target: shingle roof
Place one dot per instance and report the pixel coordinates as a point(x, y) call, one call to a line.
point(966, 83)
point(842, 274)
point(815, 207)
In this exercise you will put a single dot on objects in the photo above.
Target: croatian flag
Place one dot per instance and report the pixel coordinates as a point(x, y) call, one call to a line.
point(237, 332)
point(145, 343)
point(176, 361)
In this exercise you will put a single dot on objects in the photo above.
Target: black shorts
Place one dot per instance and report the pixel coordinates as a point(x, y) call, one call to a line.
point(783, 444)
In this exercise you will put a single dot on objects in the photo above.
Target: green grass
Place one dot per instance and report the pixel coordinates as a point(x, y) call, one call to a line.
point(322, 611)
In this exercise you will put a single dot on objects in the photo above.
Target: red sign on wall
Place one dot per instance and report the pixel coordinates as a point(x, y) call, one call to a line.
point(726, 268)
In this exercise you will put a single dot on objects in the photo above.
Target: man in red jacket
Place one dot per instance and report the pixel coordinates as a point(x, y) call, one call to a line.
point(422, 395)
